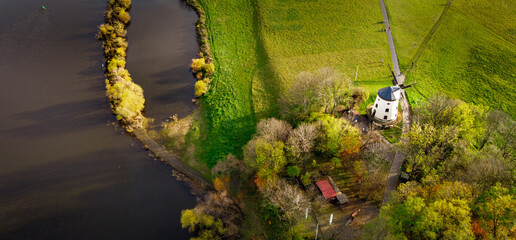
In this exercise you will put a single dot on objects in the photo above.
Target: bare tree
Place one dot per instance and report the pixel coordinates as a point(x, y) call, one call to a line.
point(273, 130)
point(334, 91)
point(495, 120)
point(505, 136)
point(301, 140)
point(220, 205)
point(304, 92)
point(287, 197)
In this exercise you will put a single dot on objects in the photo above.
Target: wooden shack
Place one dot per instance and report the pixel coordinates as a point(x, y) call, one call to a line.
point(330, 190)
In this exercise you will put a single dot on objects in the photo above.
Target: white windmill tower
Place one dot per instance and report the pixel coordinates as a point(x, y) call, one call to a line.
point(385, 108)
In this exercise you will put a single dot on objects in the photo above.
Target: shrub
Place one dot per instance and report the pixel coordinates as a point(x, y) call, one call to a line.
point(197, 64)
point(127, 99)
point(306, 179)
point(293, 171)
point(336, 162)
point(200, 88)
point(124, 3)
point(115, 63)
point(199, 75)
point(208, 69)
point(326, 168)
point(124, 16)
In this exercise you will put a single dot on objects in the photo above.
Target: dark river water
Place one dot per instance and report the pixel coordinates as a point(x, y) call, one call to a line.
point(66, 171)
point(162, 43)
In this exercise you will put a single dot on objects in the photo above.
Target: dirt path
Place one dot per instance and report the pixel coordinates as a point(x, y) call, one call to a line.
point(165, 156)
point(394, 56)
point(392, 179)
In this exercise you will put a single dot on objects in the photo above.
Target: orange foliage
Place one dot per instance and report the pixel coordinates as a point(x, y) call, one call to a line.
point(259, 181)
point(350, 145)
point(479, 232)
point(221, 183)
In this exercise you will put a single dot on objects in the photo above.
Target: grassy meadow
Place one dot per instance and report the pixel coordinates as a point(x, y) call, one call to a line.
point(310, 35)
point(471, 56)
point(259, 47)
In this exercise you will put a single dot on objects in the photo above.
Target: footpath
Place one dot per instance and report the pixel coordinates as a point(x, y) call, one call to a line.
point(170, 159)
point(392, 179)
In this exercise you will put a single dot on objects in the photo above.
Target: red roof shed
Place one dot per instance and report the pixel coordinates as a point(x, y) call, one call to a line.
point(326, 189)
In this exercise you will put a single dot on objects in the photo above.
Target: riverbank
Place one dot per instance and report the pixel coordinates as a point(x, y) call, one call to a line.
point(126, 97)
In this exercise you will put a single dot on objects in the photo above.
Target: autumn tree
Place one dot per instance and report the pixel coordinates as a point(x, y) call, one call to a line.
point(317, 92)
point(427, 146)
point(438, 210)
point(336, 137)
point(466, 119)
point(497, 208)
point(301, 141)
point(268, 159)
point(358, 96)
point(303, 95)
point(289, 198)
point(273, 130)
point(334, 90)
point(206, 226)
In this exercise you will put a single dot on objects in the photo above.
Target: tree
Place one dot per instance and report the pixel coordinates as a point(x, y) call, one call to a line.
point(269, 160)
point(337, 137)
point(427, 147)
point(497, 207)
point(293, 171)
point(334, 91)
point(466, 119)
point(290, 199)
point(200, 88)
point(301, 141)
point(433, 211)
point(273, 130)
point(123, 16)
point(197, 64)
point(303, 94)
point(206, 226)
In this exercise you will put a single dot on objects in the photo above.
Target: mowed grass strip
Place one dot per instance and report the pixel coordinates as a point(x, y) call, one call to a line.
point(467, 58)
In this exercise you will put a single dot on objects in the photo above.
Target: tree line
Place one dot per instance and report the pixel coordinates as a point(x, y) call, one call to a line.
point(461, 165)
point(126, 97)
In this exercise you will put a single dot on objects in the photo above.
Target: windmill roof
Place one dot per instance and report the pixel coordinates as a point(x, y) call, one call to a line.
point(387, 93)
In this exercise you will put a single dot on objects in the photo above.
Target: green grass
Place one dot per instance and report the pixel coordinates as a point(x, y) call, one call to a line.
point(309, 35)
point(259, 47)
point(227, 115)
point(471, 56)
point(393, 134)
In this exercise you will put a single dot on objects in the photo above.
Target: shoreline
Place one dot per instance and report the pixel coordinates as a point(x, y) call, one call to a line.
point(113, 35)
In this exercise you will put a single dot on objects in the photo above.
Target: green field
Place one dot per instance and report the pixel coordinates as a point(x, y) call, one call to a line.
point(471, 56)
point(259, 47)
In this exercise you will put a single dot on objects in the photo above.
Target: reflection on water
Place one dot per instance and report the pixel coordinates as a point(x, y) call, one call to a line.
point(159, 59)
point(66, 171)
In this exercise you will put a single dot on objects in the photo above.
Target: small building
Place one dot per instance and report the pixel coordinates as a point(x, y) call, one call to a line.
point(330, 191)
point(385, 107)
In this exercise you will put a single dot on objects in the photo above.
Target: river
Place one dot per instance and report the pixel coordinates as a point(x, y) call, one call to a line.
point(67, 171)
point(162, 43)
